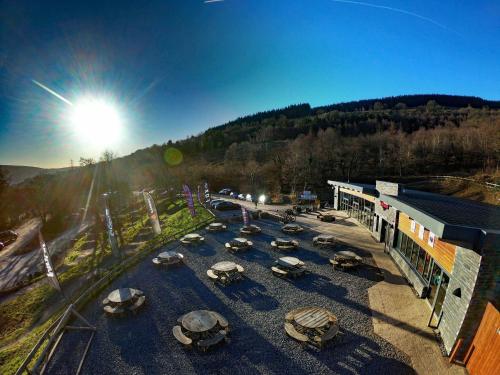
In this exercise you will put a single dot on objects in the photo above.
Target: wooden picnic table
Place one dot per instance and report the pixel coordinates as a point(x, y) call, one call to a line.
point(225, 266)
point(199, 321)
point(314, 317)
point(123, 295)
point(216, 227)
point(348, 255)
point(290, 262)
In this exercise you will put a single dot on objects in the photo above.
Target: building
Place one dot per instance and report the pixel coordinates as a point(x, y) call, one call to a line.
point(446, 247)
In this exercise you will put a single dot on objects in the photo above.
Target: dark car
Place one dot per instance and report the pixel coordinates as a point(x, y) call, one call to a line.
point(234, 195)
point(7, 237)
point(225, 191)
point(215, 202)
point(227, 206)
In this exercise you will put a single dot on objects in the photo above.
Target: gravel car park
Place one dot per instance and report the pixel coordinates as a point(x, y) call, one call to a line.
point(255, 307)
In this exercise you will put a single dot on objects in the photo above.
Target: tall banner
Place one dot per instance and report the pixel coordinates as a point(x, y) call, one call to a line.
point(189, 199)
point(51, 272)
point(207, 193)
point(199, 195)
point(113, 243)
point(152, 213)
point(246, 217)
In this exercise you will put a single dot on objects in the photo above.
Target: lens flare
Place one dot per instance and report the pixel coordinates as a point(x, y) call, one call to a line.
point(96, 121)
point(173, 156)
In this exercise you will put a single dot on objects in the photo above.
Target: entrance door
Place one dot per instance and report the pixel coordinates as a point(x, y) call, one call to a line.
point(482, 357)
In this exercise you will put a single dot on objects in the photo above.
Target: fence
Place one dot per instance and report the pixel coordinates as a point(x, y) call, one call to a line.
point(487, 184)
point(100, 284)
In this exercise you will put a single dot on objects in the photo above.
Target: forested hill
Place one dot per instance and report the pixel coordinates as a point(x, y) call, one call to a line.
point(401, 101)
point(303, 146)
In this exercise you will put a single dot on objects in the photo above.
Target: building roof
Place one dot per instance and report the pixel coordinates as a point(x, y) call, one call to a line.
point(361, 188)
point(448, 217)
point(452, 210)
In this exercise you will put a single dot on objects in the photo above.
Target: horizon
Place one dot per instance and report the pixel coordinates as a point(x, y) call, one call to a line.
point(177, 69)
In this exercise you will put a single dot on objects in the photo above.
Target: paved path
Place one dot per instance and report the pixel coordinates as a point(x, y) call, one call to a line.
point(397, 315)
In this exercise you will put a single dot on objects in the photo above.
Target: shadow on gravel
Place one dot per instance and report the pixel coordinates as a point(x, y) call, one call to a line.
point(256, 256)
point(314, 283)
point(204, 250)
point(251, 292)
point(363, 356)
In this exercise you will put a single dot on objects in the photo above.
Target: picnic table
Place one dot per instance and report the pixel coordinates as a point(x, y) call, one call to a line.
point(199, 321)
point(192, 238)
point(225, 272)
point(123, 299)
point(324, 240)
point(203, 328)
point(345, 260)
point(292, 228)
point(250, 229)
point(288, 266)
point(238, 244)
point(284, 244)
point(168, 258)
point(313, 325)
point(216, 227)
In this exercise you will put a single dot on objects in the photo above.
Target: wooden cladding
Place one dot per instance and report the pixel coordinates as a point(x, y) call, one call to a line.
point(369, 198)
point(442, 252)
point(483, 356)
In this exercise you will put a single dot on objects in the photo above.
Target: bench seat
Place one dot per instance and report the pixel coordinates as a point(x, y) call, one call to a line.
point(292, 332)
point(180, 336)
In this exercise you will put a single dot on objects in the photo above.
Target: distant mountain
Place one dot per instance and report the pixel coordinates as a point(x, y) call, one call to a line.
point(20, 173)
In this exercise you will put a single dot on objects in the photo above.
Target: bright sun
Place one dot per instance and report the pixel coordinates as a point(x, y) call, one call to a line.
point(96, 122)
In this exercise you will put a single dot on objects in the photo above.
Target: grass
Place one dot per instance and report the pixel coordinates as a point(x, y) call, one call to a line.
point(19, 316)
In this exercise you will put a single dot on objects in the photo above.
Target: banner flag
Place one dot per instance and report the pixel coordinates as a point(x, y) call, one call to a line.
point(109, 226)
point(152, 213)
point(189, 199)
point(207, 193)
point(246, 217)
point(199, 195)
point(51, 272)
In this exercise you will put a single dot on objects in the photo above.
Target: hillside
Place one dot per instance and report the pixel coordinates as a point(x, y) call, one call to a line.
point(19, 173)
point(363, 140)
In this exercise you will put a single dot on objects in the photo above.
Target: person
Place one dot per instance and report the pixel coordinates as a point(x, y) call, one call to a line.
point(255, 201)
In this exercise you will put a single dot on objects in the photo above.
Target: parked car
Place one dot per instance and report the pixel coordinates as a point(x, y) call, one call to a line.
point(214, 202)
point(234, 195)
point(225, 191)
point(7, 237)
point(1, 246)
point(249, 198)
point(227, 206)
point(241, 197)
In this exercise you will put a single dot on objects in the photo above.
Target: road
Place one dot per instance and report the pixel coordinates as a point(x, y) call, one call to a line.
point(15, 269)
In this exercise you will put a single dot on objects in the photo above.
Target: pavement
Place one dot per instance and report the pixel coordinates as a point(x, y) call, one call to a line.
point(398, 315)
point(383, 325)
point(255, 308)
point(15, 270)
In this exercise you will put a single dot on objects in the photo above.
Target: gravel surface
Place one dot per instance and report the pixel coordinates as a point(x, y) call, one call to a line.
point(255, 309)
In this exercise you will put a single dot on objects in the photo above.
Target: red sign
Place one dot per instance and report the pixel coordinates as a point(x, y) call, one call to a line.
point(384, 205)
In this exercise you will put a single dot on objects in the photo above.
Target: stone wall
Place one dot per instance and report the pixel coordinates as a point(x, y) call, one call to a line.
point(464, 274)
point(487, 289)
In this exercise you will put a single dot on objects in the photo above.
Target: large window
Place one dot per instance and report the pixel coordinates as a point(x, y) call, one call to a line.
point(358, 208)
point(414, 255)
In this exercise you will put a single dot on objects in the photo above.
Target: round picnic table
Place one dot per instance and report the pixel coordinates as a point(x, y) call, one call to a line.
point(290, 262)
point(199, 321)
point(314, 317)
point(325, 237)
point(168, 255)
point(225, 266)
point(346, 254)
point(215, 225)
point(123, 295)
point(192, 236)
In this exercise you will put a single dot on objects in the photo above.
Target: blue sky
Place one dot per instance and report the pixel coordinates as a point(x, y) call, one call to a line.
point(177, 67)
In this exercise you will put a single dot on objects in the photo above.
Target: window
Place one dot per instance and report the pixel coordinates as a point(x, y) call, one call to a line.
point(415, 255)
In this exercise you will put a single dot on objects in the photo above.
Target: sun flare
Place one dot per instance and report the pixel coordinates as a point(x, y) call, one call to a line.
point(96, 121)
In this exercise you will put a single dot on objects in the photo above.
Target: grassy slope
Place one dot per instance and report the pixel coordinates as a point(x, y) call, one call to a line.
point(19, 315)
